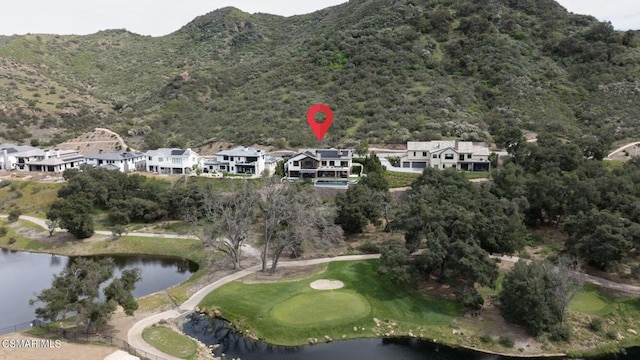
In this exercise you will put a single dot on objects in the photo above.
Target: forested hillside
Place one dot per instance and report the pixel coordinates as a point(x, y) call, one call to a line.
point(392, 70)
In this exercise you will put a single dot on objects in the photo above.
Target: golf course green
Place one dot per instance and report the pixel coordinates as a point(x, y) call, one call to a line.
point(291, 312)
point(321, 307)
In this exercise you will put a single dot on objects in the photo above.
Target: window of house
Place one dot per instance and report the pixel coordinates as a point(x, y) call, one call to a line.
point(176, 161)
point(415, 154)
point(324, 163)
point(344, 163)
point(468, 156)
point(160, 159)
point(435, 156)
point(448, 156)
point(296, 163)
point(150, 158)
point(424, 153)
point(461, 157)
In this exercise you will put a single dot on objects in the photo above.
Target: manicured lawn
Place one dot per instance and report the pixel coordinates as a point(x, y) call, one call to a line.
point(477, 175)
point(170, 342)
point(289, 313)
point(591, 301)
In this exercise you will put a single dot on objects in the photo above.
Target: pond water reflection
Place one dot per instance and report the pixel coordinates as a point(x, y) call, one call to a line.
point(23, 275)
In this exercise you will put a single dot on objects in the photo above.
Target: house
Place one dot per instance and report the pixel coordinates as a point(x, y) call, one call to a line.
point(47, 161)
point(171, 161)
point(8, 160)
point(122, 161)
point(58, 162)
point(319, 164)
point(240, 160)
point(461, 155)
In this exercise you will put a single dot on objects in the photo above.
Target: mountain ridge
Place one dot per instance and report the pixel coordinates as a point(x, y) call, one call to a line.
point(392, 71)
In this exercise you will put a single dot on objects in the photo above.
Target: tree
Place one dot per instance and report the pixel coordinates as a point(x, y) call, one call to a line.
point(600, 237)
point(536, 294)
point(358, 206)
point(396, 265)
point(14, 214)
point(74, 214)
point(274, 207)
point(307, 223)
point(51, 226)
point(362, 148)
point(77, 290)
point(226, 219)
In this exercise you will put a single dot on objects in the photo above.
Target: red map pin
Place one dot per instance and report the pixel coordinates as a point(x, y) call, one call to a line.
point(320, 128)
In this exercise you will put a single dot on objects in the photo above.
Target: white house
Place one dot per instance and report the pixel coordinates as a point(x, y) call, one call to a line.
point(240, 160)
point(8, 159)
point(48, 161)
point(461, 155)
point(319, 163)
point(123, 161)
point(171, 161)
point(61, 161)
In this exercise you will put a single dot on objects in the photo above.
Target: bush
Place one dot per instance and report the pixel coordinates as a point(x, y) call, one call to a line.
point(612, 335)
point(506, 341)
point(560, 333)
point(369, 248)
point(3, 231)
point(12, 240)
point(596, 324)
point(14, 215)
point(486, 338)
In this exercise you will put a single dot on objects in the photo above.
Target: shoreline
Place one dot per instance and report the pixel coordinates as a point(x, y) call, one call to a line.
point(592, 352)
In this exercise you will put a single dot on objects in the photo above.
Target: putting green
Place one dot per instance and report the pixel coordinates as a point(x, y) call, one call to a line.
point(320, 308)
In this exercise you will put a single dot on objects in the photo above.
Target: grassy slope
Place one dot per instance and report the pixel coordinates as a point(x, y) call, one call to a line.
point(251, 306)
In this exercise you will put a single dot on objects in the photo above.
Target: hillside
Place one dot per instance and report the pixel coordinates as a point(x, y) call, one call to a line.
point(392, 70)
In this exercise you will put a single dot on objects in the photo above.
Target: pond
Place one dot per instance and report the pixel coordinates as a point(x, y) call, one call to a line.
point(23, 274)
point(234, 345)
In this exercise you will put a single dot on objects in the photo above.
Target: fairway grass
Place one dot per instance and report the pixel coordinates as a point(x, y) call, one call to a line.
point(289, 313)
point(170, 342)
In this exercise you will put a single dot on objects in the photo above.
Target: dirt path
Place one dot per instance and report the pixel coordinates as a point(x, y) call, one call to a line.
point(623, 147)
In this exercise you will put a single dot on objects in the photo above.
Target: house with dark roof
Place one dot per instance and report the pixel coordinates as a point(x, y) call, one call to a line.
point(171, 161)
point(8, 159)
point(323, 164)
point(122, 161)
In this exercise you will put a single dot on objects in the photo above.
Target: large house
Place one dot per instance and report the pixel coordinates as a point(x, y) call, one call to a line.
point(319, 163)
point(240, 160)
point(122, 161)
point(461, 155)
point(171, 161)
point(8, 159)
point(48, 161)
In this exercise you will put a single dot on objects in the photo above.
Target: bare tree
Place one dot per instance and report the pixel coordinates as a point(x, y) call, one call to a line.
point(274, 208)
point(565, 283)
point(307, 221)
point(226, 219)
point(51, 226)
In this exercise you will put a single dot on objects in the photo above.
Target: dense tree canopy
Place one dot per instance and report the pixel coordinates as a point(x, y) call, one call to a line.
point(77, 290)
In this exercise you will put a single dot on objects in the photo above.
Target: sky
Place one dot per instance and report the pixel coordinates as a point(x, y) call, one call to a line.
point(161, 17)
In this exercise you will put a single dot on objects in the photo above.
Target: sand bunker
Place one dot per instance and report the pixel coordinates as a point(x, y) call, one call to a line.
point(325, 284)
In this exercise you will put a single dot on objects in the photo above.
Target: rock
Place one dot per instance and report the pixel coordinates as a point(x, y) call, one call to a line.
point(355, 328)
point(328, 338)
point(344, 337)
point(455, 332)
point(631, 331)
